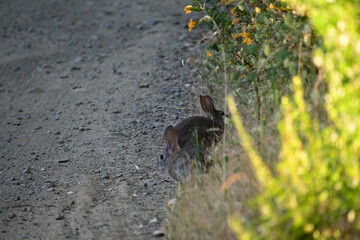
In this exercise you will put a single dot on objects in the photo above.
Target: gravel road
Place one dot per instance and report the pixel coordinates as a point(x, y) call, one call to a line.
point(87, 88)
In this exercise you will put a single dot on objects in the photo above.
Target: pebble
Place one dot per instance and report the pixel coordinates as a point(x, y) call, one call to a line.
point(16, 69)
point(64, 160)
point(149, 23)
point(35, 90)
point(105, 176)
point(159, 233)
point(78, 59)
point(60, 217)
point(154, 220)
point(144, 85)
point(12, 215)
point(82, 129)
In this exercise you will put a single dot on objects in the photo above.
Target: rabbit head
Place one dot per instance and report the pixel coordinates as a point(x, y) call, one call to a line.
point(171, 137)
point(207, 104)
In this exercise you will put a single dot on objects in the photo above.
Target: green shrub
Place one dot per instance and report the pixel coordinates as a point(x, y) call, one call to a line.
point(260, 45)
point(316, 192)
point(301, 61)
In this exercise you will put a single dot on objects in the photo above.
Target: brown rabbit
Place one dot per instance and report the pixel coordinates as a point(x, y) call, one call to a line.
point(180, 162)
point(188, 142)
point(202, 130)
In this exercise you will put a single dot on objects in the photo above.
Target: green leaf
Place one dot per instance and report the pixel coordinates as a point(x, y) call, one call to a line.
point(251, 76)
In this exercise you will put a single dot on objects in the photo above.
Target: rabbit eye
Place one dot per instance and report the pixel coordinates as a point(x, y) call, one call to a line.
point(162, 156)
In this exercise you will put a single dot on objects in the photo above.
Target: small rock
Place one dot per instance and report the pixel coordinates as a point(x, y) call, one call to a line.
point(16, 69)
point(154, 220)
point(50, 189)
point(115, 111)
point(82, 129)
point(27, 209)
point(60, 217)
point(35, 90)
point(75, 69)
point(149, 23)
point(26, 170)
point(144, 85)
point(159, 233)
point(16, 123)
point(78, 59)
point(64, 160)
point(11, 215)
point(105, 176)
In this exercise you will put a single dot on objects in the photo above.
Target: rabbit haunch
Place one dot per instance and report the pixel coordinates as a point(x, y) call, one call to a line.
point(188, 142)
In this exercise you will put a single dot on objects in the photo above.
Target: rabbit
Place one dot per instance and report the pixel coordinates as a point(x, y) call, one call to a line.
point(202, 130)
point(190, 139)
point(180, 162)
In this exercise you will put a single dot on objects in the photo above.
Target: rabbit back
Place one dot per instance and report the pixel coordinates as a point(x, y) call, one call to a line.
point(199, 130)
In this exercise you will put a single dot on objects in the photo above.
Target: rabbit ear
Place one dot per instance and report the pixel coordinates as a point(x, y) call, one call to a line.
point(171, 137)
point(207, 104)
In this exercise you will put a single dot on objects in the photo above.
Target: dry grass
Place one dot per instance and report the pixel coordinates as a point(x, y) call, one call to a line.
point(204, 205)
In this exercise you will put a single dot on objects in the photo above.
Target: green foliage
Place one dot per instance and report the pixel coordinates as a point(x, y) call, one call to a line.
point(264, 43)
point(314, 191)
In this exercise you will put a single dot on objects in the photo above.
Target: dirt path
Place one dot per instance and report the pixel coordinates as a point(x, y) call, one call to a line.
point(86, 89)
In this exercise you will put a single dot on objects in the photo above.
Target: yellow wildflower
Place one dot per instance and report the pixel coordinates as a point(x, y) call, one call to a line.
point(235, 21)
point(192, 24)
point(246, 39)
point(271, 6)
point(244, 34)
point(233, 11)
point(188, 9)
point(208, 54)
point(257, 10)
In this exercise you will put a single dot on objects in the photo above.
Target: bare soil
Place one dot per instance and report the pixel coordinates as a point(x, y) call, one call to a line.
point(87, 88)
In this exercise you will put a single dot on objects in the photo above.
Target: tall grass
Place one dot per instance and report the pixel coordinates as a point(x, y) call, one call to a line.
point(294, 71)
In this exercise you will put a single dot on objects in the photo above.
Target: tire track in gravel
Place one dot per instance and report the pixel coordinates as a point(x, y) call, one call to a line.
point(87, 88)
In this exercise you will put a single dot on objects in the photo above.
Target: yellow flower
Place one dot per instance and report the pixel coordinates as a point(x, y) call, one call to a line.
point(235, 21)
point(246, 39)
point(188, 9)
point(271, 6)
point(208, 54)
point(192, 24)
point(244, 34)
point(257, 10)
point(233, 11)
